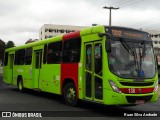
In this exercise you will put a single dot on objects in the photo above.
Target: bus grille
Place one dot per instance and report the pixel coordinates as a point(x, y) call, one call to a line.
point(136, 83)
point(133, 99)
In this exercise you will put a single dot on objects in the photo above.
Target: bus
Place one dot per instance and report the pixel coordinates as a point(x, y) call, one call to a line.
point(110, 65)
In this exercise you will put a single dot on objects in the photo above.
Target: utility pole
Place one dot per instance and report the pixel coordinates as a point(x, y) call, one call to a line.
point(110, 8)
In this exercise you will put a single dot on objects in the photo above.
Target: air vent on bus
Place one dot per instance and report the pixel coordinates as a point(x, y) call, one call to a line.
point(136, 83)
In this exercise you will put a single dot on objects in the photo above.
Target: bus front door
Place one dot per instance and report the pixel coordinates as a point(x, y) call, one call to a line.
point(93, 71)
point(11, 62)
point(37, 68)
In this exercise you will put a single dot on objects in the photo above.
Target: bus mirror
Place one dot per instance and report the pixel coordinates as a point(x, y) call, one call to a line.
point(104, 34)
point(108, 41)
point(108, 45)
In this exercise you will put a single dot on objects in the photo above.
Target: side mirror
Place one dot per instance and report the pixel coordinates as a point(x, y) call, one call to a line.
point(108, 44)
point(108, 41)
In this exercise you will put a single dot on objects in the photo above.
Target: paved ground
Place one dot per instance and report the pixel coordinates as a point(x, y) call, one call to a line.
point(12, 100)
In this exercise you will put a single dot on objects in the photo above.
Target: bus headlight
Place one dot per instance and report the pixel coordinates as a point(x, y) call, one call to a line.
point(114, 86)
point(156, 87)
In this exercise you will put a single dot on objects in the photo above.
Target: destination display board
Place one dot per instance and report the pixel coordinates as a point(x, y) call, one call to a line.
point(128, 33)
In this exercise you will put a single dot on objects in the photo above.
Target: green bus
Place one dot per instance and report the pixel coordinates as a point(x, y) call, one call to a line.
point(102, 64)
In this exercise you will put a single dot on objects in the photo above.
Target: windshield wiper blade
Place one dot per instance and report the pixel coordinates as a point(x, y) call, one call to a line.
point(146, 50)
point(127, 47)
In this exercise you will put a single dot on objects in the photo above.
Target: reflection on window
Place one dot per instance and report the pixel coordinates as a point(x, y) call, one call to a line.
point(89, 57)
point(98, 58)
point(71, 50)
point(54, 52)
point(45, 54)
point(20, 56)
point(28, 56)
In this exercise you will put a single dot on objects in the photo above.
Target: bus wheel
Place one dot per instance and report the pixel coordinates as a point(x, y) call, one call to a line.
point(70, 95)
point(20, 86)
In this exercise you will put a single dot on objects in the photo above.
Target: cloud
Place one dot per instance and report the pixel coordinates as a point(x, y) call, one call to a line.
point(21, 19)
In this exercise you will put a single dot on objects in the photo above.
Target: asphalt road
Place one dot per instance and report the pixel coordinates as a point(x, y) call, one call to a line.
point(51, 105)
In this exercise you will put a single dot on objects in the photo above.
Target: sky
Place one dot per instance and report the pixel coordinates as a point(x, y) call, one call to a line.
point(21, 20)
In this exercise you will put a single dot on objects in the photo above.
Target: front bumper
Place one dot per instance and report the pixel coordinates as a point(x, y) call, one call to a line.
point(114, 98)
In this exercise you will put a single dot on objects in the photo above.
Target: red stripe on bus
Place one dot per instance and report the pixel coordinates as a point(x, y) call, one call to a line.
point(136, 90)
point(70, 71)
point(71, 35)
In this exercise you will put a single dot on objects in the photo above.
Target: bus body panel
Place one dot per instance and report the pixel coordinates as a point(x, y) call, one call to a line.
point(69, 70)
point(51, 77)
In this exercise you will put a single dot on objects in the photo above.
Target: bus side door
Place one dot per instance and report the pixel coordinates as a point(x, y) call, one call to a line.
point(37, 68)
point(93, 71)
point(11, 64)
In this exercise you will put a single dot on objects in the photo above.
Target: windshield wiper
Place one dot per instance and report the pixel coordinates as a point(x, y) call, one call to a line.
point(127, 47)
point(140, 57)
point(145, 51)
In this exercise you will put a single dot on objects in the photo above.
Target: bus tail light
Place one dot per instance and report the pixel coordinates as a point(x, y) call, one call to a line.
point(114, 86)
point(156, 87)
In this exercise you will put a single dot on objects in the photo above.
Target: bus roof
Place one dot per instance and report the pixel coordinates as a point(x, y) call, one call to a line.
point(83, 32)
point(57, 38)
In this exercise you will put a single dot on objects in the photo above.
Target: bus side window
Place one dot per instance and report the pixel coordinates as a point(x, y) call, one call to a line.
point(6, 59)
point(15, 59)
point(50, 53)
point(20, 56)
point(57, 52)
point(45, 54)
point(54, 52)
point(28, 56)
point(98, 59)
point(71, 50)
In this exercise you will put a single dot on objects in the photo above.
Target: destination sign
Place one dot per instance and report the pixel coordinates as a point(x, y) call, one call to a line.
point(128, 33)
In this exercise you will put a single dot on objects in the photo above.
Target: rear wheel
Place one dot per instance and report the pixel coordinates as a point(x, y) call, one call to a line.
point(20, 86)
point(70, 94)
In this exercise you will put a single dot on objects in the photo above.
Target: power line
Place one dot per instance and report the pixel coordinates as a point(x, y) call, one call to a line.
point(155, 25)
point(123, 2)
point(132, 3)
point(146, 21)
point(114, 3)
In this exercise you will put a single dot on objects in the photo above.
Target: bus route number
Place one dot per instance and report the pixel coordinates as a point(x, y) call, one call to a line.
point(117, 33)
point(131, 90)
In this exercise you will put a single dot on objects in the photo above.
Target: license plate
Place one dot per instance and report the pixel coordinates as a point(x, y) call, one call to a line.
point(139, 102)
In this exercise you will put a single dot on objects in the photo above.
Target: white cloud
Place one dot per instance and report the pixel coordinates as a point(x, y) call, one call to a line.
point(21, 19)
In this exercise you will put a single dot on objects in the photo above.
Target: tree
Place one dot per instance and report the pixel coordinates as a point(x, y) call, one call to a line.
point(9, 44)
point(2, 47)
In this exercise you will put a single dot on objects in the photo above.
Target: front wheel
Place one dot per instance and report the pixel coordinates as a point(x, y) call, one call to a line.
point(70, 94)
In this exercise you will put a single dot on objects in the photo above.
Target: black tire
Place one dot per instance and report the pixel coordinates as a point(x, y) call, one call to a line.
point(20, 85)
point(70, 94)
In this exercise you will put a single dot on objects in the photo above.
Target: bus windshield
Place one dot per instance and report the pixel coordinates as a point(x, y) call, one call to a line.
point(131, 59)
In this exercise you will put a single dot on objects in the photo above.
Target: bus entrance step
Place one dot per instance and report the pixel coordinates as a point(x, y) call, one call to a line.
point(37, 89)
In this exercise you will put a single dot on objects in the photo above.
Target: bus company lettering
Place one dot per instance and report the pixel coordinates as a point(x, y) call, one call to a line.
point(20, 70)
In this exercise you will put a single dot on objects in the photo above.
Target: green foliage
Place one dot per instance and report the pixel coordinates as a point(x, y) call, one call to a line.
point(2, 47)
point(9, 44)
